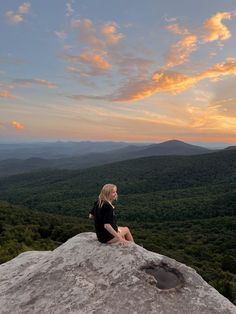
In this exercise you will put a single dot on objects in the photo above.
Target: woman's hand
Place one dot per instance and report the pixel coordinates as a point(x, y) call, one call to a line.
point(121, 240)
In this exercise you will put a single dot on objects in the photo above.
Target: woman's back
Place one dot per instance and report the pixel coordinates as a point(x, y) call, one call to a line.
point(104, 215)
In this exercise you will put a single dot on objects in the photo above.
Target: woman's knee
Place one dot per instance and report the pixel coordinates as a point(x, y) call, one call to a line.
point(127, 230)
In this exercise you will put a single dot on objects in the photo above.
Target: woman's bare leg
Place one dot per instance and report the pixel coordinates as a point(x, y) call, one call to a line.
point(114, 240)
point(125, 232)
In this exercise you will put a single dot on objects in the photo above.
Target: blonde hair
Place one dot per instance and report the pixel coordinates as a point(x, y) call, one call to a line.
point(105, 194)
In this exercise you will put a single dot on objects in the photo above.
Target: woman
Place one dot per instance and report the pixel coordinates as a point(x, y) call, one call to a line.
point(105, 220)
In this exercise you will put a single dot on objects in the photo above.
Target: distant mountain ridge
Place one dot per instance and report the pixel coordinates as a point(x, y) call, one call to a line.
point(56, 149)
point(230, 147)
point(172, 147)
point(103, 153)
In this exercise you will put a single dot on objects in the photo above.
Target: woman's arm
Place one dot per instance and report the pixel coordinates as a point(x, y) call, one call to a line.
point(112, 231)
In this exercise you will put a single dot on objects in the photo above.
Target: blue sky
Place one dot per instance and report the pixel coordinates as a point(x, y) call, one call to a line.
point(118, 70)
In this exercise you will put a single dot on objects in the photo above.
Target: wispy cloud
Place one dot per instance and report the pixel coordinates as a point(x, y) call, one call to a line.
point(224, 98)
point(17, 125)
point(17, 16)
point(179, 53)
point(210, 119)
point(94, 37)
point(165, 82)
point(176, 29)
point(29, 82)
point(130, 65)
point(88, 63)
point(69, 9)
point(87, 33)
point(13, 18)
point(61, 35)
point(24, 8)
point(170, 19)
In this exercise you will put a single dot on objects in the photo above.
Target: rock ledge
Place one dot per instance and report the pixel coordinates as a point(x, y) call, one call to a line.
point(85, 276)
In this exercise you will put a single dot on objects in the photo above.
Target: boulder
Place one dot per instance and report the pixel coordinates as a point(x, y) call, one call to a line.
point(85, 276)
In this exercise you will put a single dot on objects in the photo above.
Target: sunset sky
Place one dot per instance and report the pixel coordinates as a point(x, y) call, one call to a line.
point(123, 70)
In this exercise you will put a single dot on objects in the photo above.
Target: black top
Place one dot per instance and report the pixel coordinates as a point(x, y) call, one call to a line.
point(104, 215)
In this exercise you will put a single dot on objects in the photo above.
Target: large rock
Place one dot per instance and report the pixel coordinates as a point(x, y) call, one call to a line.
point(85, 276)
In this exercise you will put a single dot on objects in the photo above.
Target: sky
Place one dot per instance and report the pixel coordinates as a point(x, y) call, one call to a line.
point(145, 71)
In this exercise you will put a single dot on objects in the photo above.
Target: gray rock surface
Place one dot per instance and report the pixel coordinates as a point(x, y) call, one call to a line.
point(85, 276)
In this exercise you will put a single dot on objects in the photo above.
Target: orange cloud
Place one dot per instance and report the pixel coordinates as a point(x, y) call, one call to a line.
point(17, 125)
point(165, 81)
point(95, 60)
point(215, 29)
point(174, 82)
point(221, 69)
point(6, 94)
point(90, 63)
point(110, 33)
point(180, 52)
point(174, 28)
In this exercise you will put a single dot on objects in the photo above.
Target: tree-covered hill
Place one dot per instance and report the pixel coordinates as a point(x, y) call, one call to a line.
point(179, 206)
point(171, 187)
point(23, 229)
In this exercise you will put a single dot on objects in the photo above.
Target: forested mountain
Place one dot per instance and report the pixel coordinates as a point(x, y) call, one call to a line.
point(180, 206)
point(84, 158)
point(172, 147)
point(214, 173)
